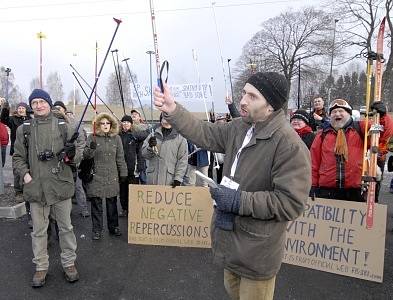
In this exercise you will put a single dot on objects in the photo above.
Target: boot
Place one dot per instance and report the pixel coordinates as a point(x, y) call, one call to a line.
point(39, 278)
point(71, 274)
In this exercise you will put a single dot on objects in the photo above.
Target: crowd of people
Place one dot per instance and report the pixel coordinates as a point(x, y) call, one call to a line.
point(265, 167)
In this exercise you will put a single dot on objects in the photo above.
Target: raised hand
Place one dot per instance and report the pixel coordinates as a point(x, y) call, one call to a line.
point(164, 101)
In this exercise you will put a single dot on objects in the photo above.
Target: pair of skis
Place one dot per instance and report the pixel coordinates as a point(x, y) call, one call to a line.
point(369, 176)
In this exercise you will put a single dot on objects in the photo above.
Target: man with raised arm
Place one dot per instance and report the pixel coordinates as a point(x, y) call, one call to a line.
point(267, 178)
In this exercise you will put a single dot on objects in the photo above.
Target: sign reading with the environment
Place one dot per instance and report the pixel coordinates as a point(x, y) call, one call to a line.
point(181, 92)
point(331, 236)
point(162, 215)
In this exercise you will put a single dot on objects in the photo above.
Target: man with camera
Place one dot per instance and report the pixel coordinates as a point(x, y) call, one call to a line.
point(42, 157)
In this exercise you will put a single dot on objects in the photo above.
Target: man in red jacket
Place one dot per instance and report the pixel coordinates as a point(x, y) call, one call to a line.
point(337, 152)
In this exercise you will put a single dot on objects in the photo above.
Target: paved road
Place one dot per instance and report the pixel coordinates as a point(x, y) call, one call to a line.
point(112, 269)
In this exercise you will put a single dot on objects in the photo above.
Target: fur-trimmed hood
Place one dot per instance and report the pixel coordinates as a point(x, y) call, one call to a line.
point(114, 127)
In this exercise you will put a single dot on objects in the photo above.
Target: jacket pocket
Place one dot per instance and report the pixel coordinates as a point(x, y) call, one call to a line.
point(32, 192)
point(254, 228)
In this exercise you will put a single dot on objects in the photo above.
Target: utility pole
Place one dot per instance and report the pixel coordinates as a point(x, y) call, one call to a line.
point(41, 36)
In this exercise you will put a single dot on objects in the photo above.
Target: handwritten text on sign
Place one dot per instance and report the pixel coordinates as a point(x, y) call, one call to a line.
point(162, 215)
point(181, 92)
point(331, 236)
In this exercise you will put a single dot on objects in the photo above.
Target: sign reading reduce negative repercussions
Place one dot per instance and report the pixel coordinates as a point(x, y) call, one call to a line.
point(331, 236)
point(162, 215)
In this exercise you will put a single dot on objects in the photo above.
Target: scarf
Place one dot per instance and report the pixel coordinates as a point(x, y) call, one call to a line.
point(303, 131)
point(341, 148)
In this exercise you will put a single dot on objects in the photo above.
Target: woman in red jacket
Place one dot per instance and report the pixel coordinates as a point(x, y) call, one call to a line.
point(4, 137)
point(337, 152)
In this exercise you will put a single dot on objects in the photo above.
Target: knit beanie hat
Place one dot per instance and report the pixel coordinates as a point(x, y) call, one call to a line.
point(302, 115)
point(61, 104)
point(126, 118)
point(135, 111)
point(38, 93)
point(22, 104)
point(272, 85)
point(340, 103)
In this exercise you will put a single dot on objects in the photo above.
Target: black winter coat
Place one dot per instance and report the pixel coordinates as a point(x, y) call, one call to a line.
point(13, 122)
point(132, 144)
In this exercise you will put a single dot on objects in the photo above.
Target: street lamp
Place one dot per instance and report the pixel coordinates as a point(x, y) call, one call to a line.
point(331, 63)
point(230, 77)
point(7, 71)
point(41, 36)
point(151, 84)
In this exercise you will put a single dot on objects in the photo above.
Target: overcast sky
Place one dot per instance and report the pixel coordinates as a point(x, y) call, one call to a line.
point(182, 25)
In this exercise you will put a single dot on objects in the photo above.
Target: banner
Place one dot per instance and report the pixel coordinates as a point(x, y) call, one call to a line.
point(331, 236)
point(166, 216)
point(181, 92)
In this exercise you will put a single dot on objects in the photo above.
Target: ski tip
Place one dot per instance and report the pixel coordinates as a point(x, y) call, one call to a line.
point(118, 21)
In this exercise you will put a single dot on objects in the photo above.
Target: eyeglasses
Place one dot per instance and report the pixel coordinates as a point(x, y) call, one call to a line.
point(105, 123)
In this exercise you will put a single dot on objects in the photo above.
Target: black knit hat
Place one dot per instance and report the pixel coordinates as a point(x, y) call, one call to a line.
point(38, 93)
point(126, 118)
point(302, 115)
point(272, 85)
point(61, 104)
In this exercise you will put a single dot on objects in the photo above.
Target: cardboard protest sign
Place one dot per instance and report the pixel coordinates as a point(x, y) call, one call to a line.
point(162, 215)
point(331, 236)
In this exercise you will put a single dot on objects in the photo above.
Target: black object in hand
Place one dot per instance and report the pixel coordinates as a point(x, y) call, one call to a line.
point(69, 149)
point(93, 145)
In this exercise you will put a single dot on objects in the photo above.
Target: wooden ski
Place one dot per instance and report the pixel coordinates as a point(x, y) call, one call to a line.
point(375, 129)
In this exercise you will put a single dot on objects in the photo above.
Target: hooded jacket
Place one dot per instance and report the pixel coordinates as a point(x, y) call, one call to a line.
point(274, 177)
point(108, 159)
point(52, 181)
point(171, 161)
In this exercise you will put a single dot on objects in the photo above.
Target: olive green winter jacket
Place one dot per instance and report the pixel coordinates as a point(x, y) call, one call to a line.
point(52, 180)
point(108, 159)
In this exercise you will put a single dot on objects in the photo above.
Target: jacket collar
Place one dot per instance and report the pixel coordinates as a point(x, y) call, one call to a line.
point(172, 135)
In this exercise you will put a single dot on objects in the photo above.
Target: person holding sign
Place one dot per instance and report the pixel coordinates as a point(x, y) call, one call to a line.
point(166, 155)
point(267, 178)
point(337, 152)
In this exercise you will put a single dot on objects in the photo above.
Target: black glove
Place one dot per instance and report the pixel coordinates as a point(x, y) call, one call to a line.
point(152, 142)
point(176, 183)
point(93, 145)
point(123, 179)
point(69, 150)
point(228, 200)
point(380, 107)
point(313, 192)
point(224, 220)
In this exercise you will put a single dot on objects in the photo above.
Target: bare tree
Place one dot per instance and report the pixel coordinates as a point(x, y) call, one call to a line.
point(8, 82)
point(359, 22)
point(113, 91)
point(35, 83)
point(285, 39)
point(55, 87)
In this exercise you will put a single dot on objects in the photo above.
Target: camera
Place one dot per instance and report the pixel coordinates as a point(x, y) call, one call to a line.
point(46, 155)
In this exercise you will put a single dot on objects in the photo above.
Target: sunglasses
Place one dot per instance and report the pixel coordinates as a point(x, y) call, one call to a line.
point(105, 123)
